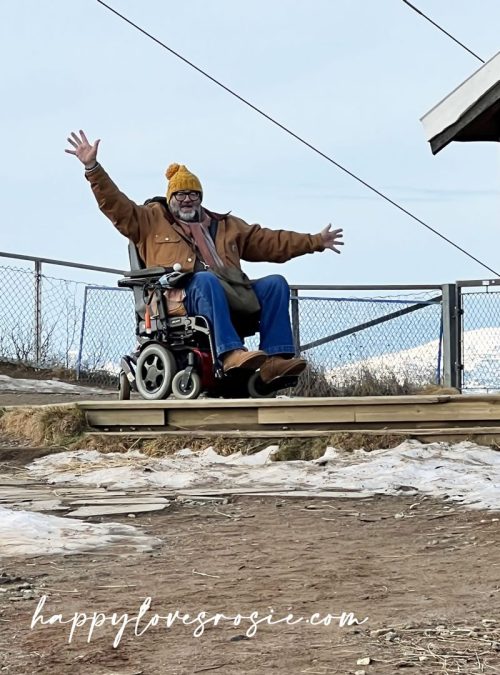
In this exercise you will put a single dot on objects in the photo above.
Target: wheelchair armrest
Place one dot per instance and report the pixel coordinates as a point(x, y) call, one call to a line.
point(131, 283)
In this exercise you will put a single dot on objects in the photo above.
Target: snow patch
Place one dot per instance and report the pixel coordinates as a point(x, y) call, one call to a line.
point(463, 472)
point(19, 384)
point(28, 533)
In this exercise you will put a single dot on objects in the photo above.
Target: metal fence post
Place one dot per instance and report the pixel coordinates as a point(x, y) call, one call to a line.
point(38, 313)
point(452, 336)
point(295, 319)
point(82, 332)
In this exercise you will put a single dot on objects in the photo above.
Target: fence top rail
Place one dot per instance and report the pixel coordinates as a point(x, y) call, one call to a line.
point(295, 287)
point(479, 282)
point(376, 287)
point(62, 263)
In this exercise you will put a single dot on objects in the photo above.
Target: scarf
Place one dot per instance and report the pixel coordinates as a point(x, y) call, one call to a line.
point(198, 234)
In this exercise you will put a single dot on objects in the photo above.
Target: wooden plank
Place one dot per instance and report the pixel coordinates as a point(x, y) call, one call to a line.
point(118, 500)
point(294, 433)
point(316, 415)
point(454, 410)
point(211, 433)
point(43, 505)
point(444, 431)
point(114, 509)
point(480, 439)
point(299, 402)
point(187, 417)
point(131, 418)
point(341, 493)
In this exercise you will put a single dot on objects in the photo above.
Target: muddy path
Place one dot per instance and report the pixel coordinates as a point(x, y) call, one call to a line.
point(424, 573)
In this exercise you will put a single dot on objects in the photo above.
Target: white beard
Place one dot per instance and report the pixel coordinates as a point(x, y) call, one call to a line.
point(188, 216)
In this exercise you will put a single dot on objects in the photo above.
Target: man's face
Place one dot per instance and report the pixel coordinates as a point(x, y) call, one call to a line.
point(186, 205)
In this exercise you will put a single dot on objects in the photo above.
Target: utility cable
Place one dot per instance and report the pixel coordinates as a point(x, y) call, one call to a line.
point(298, 138)
point(427, 18)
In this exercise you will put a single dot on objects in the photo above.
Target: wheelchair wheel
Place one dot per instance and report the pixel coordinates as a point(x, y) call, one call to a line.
point(258, 389)
point(154, 372)
point(192, 389)
point(123, 387)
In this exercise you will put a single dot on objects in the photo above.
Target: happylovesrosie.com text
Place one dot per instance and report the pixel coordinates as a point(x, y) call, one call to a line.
point(140, 623)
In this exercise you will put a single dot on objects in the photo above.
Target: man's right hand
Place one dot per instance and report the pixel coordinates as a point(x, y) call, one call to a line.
point(86, 153)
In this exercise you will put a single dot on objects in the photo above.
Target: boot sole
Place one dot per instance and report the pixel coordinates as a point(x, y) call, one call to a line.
point(292, 372)
point(253, 363)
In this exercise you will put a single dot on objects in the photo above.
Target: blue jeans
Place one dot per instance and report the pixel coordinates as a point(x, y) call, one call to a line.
point(205, 296)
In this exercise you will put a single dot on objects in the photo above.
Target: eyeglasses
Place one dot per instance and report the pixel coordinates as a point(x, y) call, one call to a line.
point(182, 196)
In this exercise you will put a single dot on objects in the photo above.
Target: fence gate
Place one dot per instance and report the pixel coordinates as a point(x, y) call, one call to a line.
point(479, 333)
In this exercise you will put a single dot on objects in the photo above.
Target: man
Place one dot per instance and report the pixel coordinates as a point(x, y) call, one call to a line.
point(184, 230)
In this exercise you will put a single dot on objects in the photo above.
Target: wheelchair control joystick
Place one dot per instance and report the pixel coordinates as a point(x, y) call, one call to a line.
point(170, 279)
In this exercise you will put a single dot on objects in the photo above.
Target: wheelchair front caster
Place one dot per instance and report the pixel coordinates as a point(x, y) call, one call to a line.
point(186, 390)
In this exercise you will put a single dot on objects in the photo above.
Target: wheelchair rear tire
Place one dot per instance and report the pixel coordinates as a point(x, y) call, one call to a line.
point(192, 390)
point(123, 387)
point(154, 372)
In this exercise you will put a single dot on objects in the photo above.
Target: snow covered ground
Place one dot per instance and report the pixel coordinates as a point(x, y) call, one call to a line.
point(18, 384)
point(28, 533)
point(481, 358)
point(462, 472)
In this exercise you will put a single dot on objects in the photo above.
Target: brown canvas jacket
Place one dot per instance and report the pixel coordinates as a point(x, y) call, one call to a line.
point(159, 238)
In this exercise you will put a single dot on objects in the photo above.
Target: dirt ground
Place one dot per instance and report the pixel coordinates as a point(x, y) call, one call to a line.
point(14, 397)
point(23, 398)
point(425, 574)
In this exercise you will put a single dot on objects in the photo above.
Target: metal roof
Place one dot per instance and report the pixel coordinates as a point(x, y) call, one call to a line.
point(470, 113)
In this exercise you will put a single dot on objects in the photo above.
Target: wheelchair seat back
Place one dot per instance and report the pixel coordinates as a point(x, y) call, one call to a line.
point(136, 264)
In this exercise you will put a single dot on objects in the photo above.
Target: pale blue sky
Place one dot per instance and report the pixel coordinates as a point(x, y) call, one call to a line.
point(352, 76)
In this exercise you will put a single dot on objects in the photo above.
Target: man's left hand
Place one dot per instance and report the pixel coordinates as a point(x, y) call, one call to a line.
point(332, 238)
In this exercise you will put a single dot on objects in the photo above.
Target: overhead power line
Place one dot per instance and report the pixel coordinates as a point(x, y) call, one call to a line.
point(299, 138)
point(452, 37)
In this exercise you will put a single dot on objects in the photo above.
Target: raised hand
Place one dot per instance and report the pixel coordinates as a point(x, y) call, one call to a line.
point(332, 238)
point(86, 153)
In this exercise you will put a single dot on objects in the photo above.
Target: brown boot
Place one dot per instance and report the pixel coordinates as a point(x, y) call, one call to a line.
point(277, 366)
point(240, 358)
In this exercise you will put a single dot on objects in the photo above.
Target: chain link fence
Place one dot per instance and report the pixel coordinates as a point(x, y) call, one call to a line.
point(107, 332)
point(361, 345)
point(351, 337)
point(481, 338)
point(43, 333)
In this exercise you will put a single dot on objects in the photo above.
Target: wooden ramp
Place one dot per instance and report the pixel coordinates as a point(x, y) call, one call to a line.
point(436, 417)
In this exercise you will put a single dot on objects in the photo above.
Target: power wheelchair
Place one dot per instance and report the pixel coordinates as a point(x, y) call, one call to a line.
point(175, 355)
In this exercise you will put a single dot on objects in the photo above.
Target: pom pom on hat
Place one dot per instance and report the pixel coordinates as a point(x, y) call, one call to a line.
point(172, 170)
point(180, 178)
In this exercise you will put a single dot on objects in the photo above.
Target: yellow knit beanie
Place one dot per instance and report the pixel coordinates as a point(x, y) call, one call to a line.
point(179, 178)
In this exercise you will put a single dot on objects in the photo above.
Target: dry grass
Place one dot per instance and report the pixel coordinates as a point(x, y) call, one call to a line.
point(447, 649)
point(290, 449)
point(163, 446)
point(314, 382)
point(353, 441)
point(65, 426)
point(45, 425)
